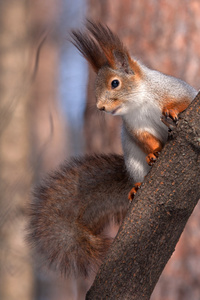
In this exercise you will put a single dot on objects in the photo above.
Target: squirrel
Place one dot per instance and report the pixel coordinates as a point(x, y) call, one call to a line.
point(127, 88)
point(73, 206)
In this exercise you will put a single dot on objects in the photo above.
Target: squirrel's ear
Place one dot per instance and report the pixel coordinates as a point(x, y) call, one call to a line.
point(122, 61)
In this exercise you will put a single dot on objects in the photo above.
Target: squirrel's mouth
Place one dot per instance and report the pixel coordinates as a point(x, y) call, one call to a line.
point(113, 112)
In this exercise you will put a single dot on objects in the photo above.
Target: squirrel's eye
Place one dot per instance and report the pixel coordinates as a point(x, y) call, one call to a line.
point(115, 83)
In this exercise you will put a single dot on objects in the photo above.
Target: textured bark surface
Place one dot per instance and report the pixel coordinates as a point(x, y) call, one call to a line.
point(156, 218)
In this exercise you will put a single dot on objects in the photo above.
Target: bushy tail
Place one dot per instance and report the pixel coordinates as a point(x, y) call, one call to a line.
point(72, 207)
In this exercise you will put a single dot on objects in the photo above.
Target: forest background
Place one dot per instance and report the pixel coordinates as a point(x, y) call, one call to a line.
point(48, 114)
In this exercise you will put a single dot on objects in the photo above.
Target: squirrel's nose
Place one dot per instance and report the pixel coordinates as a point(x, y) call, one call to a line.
point(100, 106)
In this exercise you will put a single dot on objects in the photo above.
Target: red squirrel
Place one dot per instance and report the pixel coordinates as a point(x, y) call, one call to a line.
point(127, 88)
point(72, 207)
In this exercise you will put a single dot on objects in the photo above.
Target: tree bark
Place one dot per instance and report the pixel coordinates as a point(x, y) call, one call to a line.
point(157, 217)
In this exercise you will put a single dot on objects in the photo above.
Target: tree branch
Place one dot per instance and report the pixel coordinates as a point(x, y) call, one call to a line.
point(157, 217)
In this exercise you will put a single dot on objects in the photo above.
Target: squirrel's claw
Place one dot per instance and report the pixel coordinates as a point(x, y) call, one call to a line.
point(171, 113)
point(151, 158)
point(133, 191)
point(170, 118)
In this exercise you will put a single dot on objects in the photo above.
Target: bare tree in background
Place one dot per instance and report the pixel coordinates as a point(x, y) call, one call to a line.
point(32, 135)
point(15, 269)
point(49, 131)
point(164, 35)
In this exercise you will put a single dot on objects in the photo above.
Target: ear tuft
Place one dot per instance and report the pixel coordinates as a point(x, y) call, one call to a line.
point(89, 48)
point(114, 50)
point(100, 46)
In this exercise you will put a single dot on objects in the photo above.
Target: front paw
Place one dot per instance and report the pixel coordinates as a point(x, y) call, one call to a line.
point(151, 158)
point(171, 113)
point(133, 191)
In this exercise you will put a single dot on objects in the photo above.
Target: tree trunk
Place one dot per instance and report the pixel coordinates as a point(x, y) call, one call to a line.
point(15, 172)
point(157, 217)
point(48, 130)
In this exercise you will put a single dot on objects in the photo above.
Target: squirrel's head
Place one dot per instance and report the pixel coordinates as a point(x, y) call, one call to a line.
point(118, 75)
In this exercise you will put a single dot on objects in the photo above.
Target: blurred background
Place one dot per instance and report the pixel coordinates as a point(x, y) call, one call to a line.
point(47, 114)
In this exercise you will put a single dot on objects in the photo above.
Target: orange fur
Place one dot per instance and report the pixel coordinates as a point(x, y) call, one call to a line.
point(172, 108)
point(110, 106)
point(151, 158)
point(137, 70)
point(147, 142)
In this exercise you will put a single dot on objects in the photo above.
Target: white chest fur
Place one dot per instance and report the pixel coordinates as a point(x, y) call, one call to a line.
point(146, 117)
point(143, 117)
